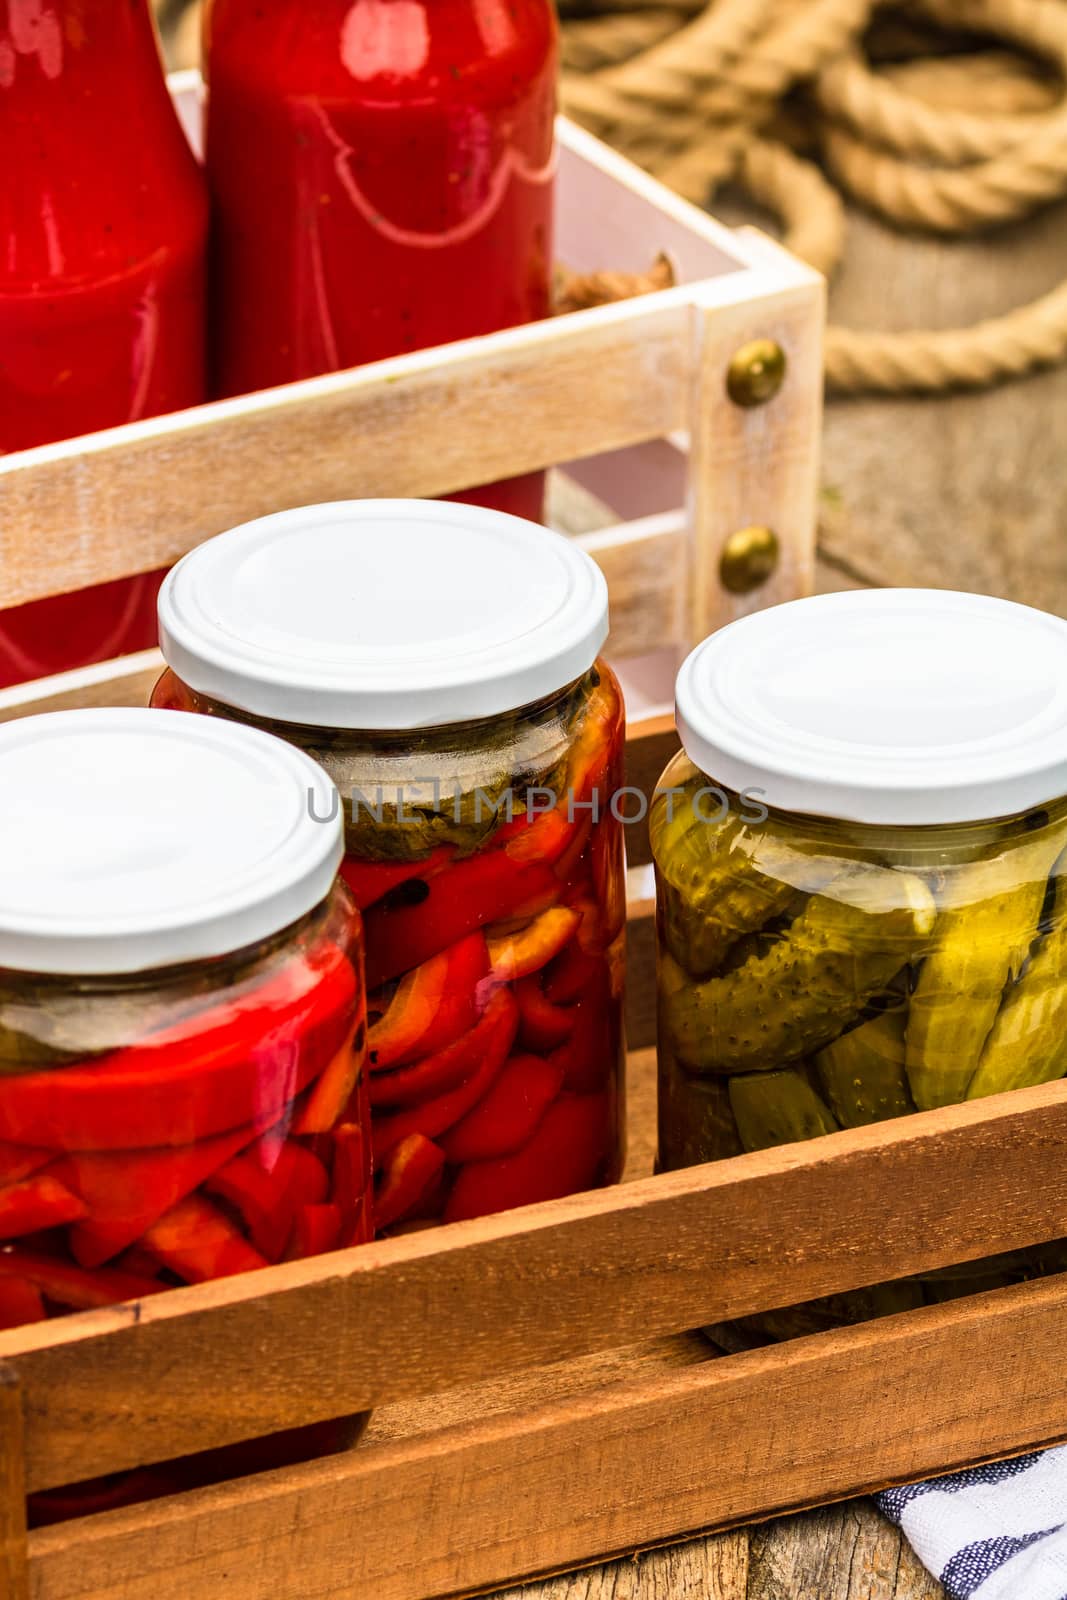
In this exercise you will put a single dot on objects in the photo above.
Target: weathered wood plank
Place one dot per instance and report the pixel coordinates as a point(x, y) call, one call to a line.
point(844, 1552)
point(415, 1315)
point(757, 466)
point(414, 425)
point(522, 1493)
point(14, 1572)
point(714, 1568)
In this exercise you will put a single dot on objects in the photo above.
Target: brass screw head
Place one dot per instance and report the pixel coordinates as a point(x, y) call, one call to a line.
point(749, 556)
point(756, 373)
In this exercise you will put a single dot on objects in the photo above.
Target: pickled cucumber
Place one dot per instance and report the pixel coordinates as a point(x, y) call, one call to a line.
point(709, 892)
point(721, 880)
point(696, 1121)
point(1027, 1044)
point(986, 925)
point(844, 947)
point(772, 1108)
point(862, 1074)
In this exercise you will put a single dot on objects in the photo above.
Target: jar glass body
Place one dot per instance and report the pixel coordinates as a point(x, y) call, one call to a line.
point(488, 864)
point(103, 224)
point(382, 181)
point(816, 974)
point(185, 1124)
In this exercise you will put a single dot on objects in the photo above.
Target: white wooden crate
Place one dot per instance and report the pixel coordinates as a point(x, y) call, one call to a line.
point(631, 395)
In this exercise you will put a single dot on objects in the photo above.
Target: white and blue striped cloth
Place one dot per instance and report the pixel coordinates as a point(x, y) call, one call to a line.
point(991, 1533)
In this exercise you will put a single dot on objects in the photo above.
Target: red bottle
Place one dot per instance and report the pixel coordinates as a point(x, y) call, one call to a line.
point(381, 175)
point(103, 220)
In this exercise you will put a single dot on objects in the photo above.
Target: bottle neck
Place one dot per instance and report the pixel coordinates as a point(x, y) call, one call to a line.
point(48, 47)
point(98, 174)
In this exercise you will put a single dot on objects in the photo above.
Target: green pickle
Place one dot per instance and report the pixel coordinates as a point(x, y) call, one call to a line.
point(862, 1074)
point(813, 982)
point(816, 975)
point(1027, 1043)
point(987, 921)
point(779, 1107)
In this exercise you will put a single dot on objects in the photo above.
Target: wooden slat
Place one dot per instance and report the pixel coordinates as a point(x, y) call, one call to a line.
point(650, 744)
point(421, 424)
point(125, 682)
point(14, 1574)
point(645, 564)
point(418, 1314)
point(597, 1474)
point(640, 998)
point(761, 465)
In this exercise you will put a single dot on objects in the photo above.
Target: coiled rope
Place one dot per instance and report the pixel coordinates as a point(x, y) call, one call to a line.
point(949, 144)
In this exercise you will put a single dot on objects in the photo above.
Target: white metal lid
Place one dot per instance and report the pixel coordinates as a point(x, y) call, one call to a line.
point(383, 614)
point(905, 706)
point(132, 839)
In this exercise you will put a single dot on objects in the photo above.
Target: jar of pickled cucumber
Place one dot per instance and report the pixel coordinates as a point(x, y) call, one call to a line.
point(861, 864)
point(440, 661)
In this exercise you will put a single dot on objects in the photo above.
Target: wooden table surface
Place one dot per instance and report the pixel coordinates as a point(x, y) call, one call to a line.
point(968, 493)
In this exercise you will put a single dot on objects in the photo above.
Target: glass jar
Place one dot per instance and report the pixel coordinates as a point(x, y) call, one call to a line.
point(182, 1020)
point(860, 858)
point(441, 663)
point(382, 181)
point(102, 244)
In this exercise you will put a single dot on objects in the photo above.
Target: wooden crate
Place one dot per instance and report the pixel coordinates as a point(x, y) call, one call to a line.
point(538, 1402)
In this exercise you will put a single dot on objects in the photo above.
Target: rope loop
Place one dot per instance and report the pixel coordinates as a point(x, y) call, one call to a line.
point(696, 96)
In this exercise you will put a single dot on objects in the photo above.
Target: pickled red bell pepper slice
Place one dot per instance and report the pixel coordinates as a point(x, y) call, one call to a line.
point(434, 1117)
point(18, 1161)
point(197, 1242)
point(435, 1003)
point(508, 1115)
point(574, 862)
point(140, 1261)
point(126, 1191)
point(242, 1061)
point(37, 1203)
point(516, 955)
point(73, 1286)
point(330, 1094)
point(316, 1230)
point(412, 1166)
point(494, 1031)
point(351, 1182)
point(21, 1302)
point(609, 880)
point(489, 887)
point(267, 1196)
point(565, 829)
point(371, 881)
point(572, 975)
point(588, 1057)
point(543, 1025)
point(544, 837)
point(564, 1156)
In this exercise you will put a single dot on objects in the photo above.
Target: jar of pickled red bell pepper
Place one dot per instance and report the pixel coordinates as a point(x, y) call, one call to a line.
point(440, 661)
point(382, 177)
point(182, 1021)
point(861, 862)
point(103, 234)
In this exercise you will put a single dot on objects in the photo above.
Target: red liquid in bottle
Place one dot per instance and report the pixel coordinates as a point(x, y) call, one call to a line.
point(103, 221)
point(382, 176)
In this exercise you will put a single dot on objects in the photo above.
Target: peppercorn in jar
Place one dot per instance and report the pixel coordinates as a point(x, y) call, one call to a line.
point(440, 661)
point(182, 1022)
point(861, 860)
